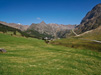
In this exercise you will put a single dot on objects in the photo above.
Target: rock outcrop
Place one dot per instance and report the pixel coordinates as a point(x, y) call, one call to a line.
point(2, 50)
point(91, 21)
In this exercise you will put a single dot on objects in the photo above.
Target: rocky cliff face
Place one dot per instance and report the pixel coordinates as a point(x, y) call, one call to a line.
point(50, 29)
point(17, 26)
point(91, 21)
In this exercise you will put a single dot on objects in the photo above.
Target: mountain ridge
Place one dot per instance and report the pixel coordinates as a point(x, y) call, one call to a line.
point(92, 20)
point(50, 29)
point(17, 26)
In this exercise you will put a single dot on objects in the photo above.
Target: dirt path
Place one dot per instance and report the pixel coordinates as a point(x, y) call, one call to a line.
point(86, 39)
point(96, 41)
point(74, 32)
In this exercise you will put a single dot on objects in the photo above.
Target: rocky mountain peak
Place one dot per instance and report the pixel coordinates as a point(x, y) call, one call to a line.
point(42, 22)
point(94, 13)
point(98, 5)
point(51, 29)
point(91, 21)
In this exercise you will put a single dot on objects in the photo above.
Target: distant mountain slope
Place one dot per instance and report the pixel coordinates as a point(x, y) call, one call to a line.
point(51, 29)
point(94, 34)
point(17, 26)
point(36, 34)
point(6, 29)
point(91, 21)
point(28, 33)
point(42, 29)
point(90, 40)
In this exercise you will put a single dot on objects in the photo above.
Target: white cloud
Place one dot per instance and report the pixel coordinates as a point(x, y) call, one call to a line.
point(38, 18)
point(19, 23)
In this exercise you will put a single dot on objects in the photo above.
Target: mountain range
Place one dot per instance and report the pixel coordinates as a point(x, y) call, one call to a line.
point(91, 21)
point(51, 29)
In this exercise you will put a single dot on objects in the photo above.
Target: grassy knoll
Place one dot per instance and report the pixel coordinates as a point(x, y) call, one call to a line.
point(27, 56)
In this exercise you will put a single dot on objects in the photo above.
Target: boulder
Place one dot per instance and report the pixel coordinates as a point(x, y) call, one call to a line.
point(2, 50)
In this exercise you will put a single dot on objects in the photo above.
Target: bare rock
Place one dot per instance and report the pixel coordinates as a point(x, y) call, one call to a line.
point(92, 20)
point(2, 50)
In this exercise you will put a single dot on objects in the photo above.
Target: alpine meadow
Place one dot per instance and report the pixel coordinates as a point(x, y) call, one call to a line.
point(50, 37)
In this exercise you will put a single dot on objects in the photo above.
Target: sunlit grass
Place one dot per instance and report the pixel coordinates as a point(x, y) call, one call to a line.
point(78, 43)
point(29, 56)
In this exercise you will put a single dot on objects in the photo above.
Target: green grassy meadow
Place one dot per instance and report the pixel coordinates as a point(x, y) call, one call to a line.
point(29, 56)
point(78, 43)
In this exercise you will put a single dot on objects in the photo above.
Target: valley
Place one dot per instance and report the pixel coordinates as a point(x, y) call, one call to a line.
point(49, 48)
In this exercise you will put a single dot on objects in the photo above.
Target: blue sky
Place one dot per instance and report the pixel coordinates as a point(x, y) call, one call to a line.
point(50, 11)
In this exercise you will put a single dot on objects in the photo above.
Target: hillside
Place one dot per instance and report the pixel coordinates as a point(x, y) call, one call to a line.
point(12, 31)
point(79, 43)
point(17, 26)
point(29, 56)
point(94, 34)
point(88, 40)
point(38, 35)
point(91, 21)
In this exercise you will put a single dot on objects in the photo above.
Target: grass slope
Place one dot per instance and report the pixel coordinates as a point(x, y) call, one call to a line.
point(94, 34)
point(78, 43)
point(27, 56)
point(83, 41)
